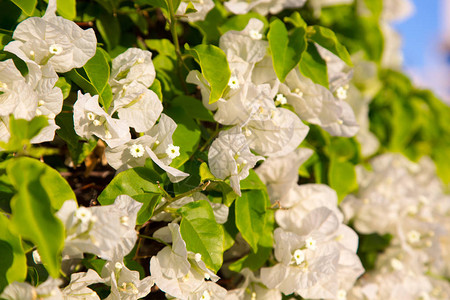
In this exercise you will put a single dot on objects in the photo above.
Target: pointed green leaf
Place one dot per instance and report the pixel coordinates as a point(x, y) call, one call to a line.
point(27, 6)
point(214, 65)
point(327, 38)
point(67, 8)
point(14, 262)
point(32, 215)
point(255, 260)
point(202, 234)
point(296, 20)
point(314, 66)
point(109, 28)
point(286, 49)
point(186, 136)
point(342, 177)
point(250, 216)
point(140, 184)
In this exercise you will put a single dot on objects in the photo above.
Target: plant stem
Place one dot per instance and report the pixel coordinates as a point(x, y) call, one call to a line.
point(201, 187)
point(173, 31)
point(153, 238)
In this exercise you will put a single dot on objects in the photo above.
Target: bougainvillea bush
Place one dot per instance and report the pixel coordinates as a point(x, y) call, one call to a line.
point(239, 149)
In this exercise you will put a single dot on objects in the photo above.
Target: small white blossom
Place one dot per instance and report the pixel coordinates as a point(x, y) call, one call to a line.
point(137, 150)
point(233, 83)
point(173, 151)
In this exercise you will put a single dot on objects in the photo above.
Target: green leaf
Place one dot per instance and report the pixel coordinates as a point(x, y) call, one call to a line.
point(163, 46)
point(375, 6)
point(202, 234)
point(27, 6)
point(286, 49)
point(22, 131)
point(156, 87)
point(205, 173)
point(187, 135)
point(97, 71)
point(371, 37)
point(64, 86)
point(193, 108)
point(252, 182)
point(255, 260)
point(342, 177)
point(14, 262)
point(313, 66)
point(150, 201)
point(78, 148)
point(214, 65)
point(250, 216)
point(26, 130)
point(344, 149)
point(67, 8)
point(239, 22)
point(31, 213)
point(209, 27)
point(139, 183)
point(296, 20)
point(327, 38)
point(55, 186)
point(109, 27)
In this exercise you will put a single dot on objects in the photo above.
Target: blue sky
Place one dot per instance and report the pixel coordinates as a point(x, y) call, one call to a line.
point(420, 32)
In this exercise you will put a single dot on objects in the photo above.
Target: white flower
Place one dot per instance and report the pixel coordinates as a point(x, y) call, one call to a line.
point(313, 258)
point(125, 283)
point(90, 119)
point(230, 157)
point(181, 274)
point(129, 155)
point(137, 150)
point(311, 244)
point(100, 230)
point(233, 83)
point(16, 97)
point(244, 44)
point(280, 174)
point(173, 151)
point(78, 286)
point(132, 66)
point(202, 8)
point(138, 106)
point(262, 7)
point(317, 105)
point(280, 99)
point(23, 290)
point(53, 40)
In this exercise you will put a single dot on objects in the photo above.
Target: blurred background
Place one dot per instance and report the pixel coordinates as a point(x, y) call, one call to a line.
point(426, 45)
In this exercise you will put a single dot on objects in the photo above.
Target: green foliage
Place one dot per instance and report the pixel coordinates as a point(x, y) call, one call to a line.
point(67, 8)
point(327, 39)
point(27, 6)
point(186, 136)
point(94, 76)
point(109, 28)
point(201, 233)
point(312, 65)
point(214, 65)
point(139, 183)
point(370, 246)
point(14, 266)
point(32, 216)
point(257, 258)
point(286, 48)
point(250, 212)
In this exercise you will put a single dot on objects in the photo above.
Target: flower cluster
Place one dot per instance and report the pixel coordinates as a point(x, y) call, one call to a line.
point(406, 200)
point(256, 186)
point(47, 45)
